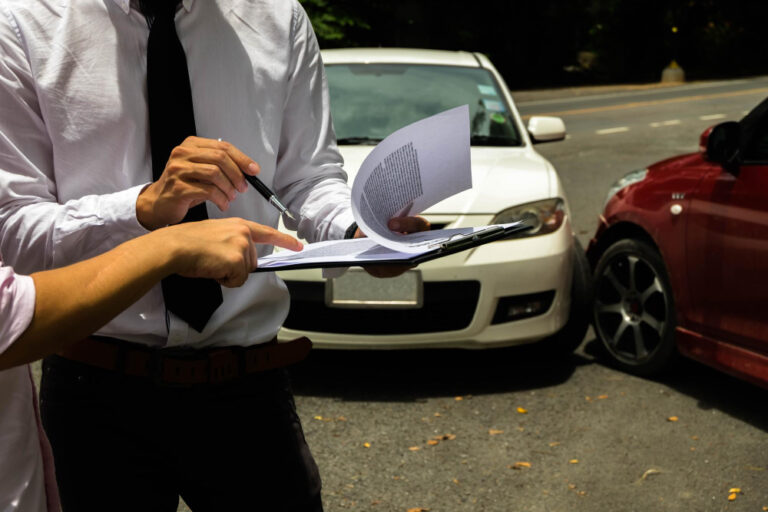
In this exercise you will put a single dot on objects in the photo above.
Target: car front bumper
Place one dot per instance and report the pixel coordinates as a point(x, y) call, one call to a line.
point(491, 272)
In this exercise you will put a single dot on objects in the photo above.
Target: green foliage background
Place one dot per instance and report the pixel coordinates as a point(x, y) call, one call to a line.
point(537, 43)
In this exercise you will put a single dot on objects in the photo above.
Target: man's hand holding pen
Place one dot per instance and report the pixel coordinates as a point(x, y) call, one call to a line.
point(198, 170)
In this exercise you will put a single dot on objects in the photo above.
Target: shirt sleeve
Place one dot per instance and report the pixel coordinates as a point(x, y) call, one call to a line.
point(17, 305)
point(310, 177)
point(37, 232)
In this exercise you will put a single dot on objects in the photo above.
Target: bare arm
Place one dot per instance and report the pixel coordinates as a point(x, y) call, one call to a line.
point(73, 302)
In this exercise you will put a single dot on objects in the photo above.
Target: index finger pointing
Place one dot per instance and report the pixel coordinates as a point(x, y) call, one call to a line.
point(262, 234)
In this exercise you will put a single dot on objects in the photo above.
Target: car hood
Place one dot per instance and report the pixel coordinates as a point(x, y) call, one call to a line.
point(678, 163)
point(501, 177)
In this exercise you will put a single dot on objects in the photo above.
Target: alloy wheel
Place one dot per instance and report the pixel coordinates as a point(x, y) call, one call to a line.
point(631, 308)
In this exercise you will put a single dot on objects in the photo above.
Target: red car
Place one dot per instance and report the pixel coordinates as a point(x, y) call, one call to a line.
point(680, 258)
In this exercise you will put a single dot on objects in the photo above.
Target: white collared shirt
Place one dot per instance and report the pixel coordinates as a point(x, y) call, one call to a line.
point(74, 145)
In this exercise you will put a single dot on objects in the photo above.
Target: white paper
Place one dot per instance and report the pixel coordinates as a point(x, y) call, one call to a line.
point(414, 168)
point(359, 251)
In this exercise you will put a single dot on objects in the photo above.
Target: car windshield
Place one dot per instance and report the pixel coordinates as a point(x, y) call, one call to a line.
point(370, 101)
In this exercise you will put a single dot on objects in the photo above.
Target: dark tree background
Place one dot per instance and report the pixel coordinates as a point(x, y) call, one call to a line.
point(549, 43)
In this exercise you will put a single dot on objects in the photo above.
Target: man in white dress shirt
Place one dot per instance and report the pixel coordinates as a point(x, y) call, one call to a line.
point(151, 408)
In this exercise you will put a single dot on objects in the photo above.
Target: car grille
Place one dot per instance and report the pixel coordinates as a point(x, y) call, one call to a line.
point(448, 306)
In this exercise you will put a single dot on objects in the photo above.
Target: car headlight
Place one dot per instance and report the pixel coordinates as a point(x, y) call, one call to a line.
point(546, 216)
point(625, 181)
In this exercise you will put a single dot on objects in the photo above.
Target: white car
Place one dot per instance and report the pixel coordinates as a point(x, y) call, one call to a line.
point(527, 289)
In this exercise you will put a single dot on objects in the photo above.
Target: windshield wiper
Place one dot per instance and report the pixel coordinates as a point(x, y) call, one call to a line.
point(490, 140)
point(358, 140)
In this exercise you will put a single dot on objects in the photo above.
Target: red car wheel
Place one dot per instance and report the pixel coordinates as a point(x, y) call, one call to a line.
point(633, 309)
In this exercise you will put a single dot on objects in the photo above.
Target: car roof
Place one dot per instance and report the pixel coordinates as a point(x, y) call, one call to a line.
point(400, 56)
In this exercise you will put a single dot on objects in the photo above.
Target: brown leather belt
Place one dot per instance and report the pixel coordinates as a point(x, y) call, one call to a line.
point(183, 366)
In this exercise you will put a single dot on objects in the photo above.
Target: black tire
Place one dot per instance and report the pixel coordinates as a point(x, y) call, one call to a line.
point(633, 310)
point(569, 338)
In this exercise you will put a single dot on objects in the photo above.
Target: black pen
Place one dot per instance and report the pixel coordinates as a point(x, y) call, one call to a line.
point(270, 196)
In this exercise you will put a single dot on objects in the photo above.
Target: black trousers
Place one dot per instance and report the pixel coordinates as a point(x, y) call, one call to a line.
point(125, 443)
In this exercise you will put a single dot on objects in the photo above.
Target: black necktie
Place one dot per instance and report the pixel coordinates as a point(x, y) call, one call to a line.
point(171, 120)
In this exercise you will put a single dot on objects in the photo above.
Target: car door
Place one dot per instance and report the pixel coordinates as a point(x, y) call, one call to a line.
point(727, 241)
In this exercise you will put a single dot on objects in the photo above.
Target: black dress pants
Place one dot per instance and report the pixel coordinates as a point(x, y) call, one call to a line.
point(127, 444)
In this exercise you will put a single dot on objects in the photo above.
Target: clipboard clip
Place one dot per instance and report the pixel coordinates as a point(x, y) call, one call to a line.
point(459, 241)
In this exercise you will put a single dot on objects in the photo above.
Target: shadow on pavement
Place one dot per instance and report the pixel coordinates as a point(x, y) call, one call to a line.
point(711, 388)
point(410, 375)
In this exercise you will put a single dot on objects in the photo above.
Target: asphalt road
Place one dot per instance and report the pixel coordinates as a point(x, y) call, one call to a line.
point(441, 430)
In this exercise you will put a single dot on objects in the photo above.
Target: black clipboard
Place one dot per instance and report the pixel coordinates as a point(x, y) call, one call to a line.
point(456, 243)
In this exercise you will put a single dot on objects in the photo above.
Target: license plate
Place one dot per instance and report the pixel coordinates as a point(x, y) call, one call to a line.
point(357, 289)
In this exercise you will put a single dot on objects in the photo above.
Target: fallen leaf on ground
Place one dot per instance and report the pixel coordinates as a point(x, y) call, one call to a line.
point(459, 398)
point(732, 496)
point(735, 489)
point(494, 432)
point(415, 448)
point(650, 472)
point(522, 410)
point(573, 461)
point(672, 418)
point(367, 445)
point(432, 442)
point(418, 509)
point(554, 443)
point(456, 481)
point(319, 418)
point(602, 397)
point(437, 414)
point(520, 465)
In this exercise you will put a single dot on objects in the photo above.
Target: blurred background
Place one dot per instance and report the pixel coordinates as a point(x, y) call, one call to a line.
point(552, 43)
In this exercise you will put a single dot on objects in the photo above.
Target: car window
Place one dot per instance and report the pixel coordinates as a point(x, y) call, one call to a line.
point(370, 101)
point(754, 133)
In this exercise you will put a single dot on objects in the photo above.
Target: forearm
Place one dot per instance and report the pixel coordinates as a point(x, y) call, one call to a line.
point(73, 302)
point(309, 177)
point(38, 233)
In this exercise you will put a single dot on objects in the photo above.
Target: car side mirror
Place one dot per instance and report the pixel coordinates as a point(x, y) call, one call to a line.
point(721, 144)
point(546, 129)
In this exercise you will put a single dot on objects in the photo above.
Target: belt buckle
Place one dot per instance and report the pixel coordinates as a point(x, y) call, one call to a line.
point(160, 357)
point(225, 364)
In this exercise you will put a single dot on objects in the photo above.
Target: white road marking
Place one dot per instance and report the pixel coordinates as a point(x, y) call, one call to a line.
point(711, 117)
point(608, 131)
point(671, 122)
